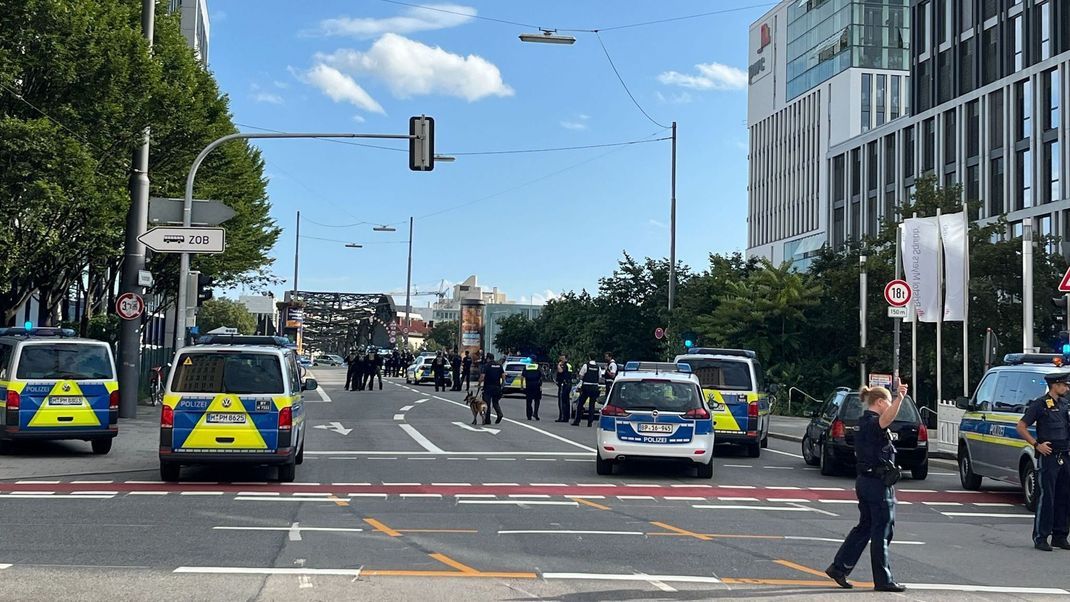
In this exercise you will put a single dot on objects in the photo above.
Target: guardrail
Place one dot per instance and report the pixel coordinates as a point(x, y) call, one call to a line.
point(947, 419)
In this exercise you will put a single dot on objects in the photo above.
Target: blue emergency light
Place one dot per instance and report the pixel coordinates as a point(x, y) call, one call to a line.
point(28, 325)
point(689, 343)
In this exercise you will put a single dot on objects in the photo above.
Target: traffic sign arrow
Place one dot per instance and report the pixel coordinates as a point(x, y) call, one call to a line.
point(1064, 284)
point(482, 429)
point(205, 212)
point(334, 426)
point(185, 240)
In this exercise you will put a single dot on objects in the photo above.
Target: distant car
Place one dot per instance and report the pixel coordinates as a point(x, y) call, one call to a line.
point(829, 438)
point(329, 360)
point(304, 361)
point(420, 372)
point(514, 377)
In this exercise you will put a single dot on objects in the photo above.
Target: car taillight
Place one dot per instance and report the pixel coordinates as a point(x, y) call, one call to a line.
point(838, 430)
point(697, 414)
point(923, 433)
point(13, 400)
point(167, 417)
point(752, 409)
point(611, 410)
point(113, 400)
point(286, 419)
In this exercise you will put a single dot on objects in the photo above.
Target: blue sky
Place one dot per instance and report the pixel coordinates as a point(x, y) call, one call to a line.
point(531, 224)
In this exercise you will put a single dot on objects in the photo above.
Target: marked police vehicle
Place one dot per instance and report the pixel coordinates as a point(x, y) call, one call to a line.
point(420, 371)
point(733, 383)
point(236, 400)
point(989, 445)
point(656, 412)
point(56, 386)
point(514, 367)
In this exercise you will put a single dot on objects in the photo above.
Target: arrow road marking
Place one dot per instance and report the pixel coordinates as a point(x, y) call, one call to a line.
point(334, 426)
point(482, 429)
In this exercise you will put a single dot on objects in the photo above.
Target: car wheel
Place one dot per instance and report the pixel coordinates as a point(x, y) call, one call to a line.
point(705, 471)
point(919, 472)
point(754, 450)
point(101, 446)
point(287, 472)
point(603, 467)
point(1029, 485)
point(170, 472)
point(828, 465)
point(969, 480)
point(808, 452)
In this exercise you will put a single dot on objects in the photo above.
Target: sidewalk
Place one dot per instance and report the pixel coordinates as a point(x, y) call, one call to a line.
point(134, 450)
point(792, 428)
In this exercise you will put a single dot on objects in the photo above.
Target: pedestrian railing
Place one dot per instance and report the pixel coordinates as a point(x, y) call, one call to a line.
point(948, 417)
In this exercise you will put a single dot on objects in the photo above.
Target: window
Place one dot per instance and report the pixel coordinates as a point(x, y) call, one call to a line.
point(867, 87)
point(67, 361)
point(928, 145)
point(871, 166)
point(889, 207)
point(986, 392)
point(925, 86)
point(973, 184)
point(950, 139)
point(238, 373)
point(990, 55)
point(882, 84)
point(973, 129)
point(837, 229)
point(906, 95)
point(729, 375)
point(945, 21)
point(895, 96)
point(1023, 99)
point(5, 359)
point(967, 79)
point(1016, 45)
point(856, 173)
point(926, 27)
point(1051, 172)
point(1024, 178)
point(966, 15)
point(944, 82)
point(908, 152)
point(1045, 31)
point(990, 8)
point(889, 160)
point(832, 406)
point(995, 187)
point(856, 220)
point(659, 394)
point(1051, 94)
point(838, 178)
point(995, 120)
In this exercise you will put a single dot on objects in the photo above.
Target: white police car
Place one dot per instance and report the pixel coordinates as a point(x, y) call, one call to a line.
point(656, 411)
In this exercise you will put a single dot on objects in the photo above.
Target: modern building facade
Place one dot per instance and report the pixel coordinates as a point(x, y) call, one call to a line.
point(821, 72)
point(499, 311)
point(990, 87)
point(195, 25)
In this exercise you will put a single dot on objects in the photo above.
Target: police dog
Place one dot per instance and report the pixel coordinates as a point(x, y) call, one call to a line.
point(475, 402)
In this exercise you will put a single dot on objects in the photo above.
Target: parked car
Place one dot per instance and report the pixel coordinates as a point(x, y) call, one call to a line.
point(829, 438)
point(329, 360)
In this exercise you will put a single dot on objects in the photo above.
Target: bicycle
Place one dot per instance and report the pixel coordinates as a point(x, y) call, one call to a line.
point(156, 386)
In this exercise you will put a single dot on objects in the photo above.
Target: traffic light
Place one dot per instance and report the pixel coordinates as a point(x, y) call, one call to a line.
point(1064, 346)
point(1060, 309)
point(690, 338)
point(204, 289)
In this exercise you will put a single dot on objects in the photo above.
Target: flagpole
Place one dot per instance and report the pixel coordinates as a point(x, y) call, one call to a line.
point(939, 310)
point(966, 303)
point(914, 337)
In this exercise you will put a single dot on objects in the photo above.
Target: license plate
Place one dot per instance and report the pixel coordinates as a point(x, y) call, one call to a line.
point(66, 401)
point(226, 418)
point(893, 436)
point(655, 428)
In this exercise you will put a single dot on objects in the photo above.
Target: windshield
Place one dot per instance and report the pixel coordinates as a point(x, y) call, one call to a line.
point(237, 373)
point(723, 374)
point(515, 367)
point(67, 361)
point(852, 409)
point(654, 394)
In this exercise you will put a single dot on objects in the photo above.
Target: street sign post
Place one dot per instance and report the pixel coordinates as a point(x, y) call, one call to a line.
point(898, 312)
point(185, 240)
point(659, 333)
point(897, 293)
point(205, 212)
point(144, 278)
point(129, 306)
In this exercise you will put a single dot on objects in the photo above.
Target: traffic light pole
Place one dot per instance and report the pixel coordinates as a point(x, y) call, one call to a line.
point(187, 206)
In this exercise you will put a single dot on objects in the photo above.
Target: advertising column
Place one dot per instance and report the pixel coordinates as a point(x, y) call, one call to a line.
point(471, 327)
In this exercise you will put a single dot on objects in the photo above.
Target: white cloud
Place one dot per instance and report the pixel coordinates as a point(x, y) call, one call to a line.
point(410, 68)
point(576, 124)
point(411, 20)
point(267, 97)
point(358, 119)
point(341, 88)
point(675, 98)
point(281, 84)
point(543, 298)
point(710, 76)
point(657, 224)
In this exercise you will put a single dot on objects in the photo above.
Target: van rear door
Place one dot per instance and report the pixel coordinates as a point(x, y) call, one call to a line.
point(68, 385)
point(726, 384)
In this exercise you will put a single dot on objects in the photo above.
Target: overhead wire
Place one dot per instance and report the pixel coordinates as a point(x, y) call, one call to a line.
point(625, 86)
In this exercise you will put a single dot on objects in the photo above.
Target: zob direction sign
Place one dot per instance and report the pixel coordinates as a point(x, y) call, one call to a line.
point(185, 240)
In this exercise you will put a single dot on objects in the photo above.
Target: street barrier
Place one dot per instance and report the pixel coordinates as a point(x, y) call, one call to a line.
point(948, 418)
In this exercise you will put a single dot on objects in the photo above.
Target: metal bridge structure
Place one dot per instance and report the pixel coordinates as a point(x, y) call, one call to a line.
point(340, 322)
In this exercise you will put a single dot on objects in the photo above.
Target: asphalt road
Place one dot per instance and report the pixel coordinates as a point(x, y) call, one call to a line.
point(400, 498)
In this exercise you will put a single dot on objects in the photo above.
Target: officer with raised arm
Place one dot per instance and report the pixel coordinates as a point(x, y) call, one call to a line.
point(1051, 414)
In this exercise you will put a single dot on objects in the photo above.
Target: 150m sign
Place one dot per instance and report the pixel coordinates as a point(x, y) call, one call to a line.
point(185, 240)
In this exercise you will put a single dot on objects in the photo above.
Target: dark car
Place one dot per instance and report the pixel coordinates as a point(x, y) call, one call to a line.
point(829, 438)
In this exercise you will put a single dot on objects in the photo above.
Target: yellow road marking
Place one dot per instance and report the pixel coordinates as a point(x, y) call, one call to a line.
point(680, 531)
point(799, 567)
point(580, 500)
point(380, 527)
point(446, 560)
point(437, 531)
point(341, 502)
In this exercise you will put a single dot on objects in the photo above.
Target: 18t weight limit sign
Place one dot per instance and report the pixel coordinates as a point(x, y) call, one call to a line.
point(897, 293)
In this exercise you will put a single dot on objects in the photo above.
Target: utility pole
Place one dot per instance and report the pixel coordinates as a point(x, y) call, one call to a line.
point(408, 290)
point(862, 314)
point(297, 253)
point(1027, 286)
point(898, 321)
point(134, 253)
point(672, 226)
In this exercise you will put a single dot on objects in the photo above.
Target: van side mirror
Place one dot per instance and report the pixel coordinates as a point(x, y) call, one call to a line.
point(962, 403)
point(310, 384)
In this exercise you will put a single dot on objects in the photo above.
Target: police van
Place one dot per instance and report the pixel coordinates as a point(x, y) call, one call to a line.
point(733, 383)
point(55, 386)
point(235, 400)
point(988, 442)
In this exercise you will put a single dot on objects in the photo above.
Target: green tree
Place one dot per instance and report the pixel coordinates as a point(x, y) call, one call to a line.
point(216, 313)
point(518, 332)
point(443, 335)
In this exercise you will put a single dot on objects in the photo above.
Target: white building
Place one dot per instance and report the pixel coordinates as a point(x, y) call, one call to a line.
point(821, 72)
point(195, 25)
point(450, 308)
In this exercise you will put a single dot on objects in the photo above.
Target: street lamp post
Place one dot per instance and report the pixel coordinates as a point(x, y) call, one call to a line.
point(408, 275)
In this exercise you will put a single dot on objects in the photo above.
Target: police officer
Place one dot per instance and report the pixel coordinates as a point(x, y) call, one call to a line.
point(491, 379)
point(532, 390)
point(610, 373)
point(875, 456)
point(376, 370)
point(466, 371)
point(588, 375)
point(455, 364)
point(351, 370)
point(439, 369)
point(564, 387)
point(1051, 413)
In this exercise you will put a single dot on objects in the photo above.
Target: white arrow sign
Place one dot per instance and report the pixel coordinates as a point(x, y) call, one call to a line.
point(482, 429)
point(185, 240)
point(334, 426)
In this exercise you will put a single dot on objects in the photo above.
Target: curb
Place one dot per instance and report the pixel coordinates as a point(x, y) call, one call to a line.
point(941, 458)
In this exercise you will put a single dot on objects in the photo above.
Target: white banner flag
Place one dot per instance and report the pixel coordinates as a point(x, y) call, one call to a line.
point(921, 256)
point(953, 231)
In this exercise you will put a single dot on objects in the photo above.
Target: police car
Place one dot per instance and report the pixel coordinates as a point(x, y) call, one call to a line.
point(54, 385)
point(733, 383)
point(234, 399)
point(988, 442)
point(514, 368)
point(656, 413)
point(420, 372)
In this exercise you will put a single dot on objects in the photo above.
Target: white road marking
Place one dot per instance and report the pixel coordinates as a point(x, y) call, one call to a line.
point(520, 502)
point(595, 485)
point(56, 497)
point(641, 485)
point(785, 488)
point(420, 401)
point(546, 484)
point(452, 484)
point(839, 541)
point(637, 577)
point(530, 495)
point(783, 453)
point(793, 500)
point(575, 460)
point(294, 532)
point(474, 495)
point(534, 428)
point(37, 482)
point(500, 484)
point(779, 467)
point(201, 493)
point(147, 493)
point(301, 494)
point(472, 459)
point(323, 395)
point(658, 584)
point(436, 496)
point(590, 497)
point(738, 466)
point(730, 486)
point(241, 570)
point(635, 497)
point(541, 459)
point(380, 457)
point(737, 499)
point(828, 489)
point(503, 459)
point(762, 508)
point(421, 458)
point(90, 482)
point(684, 499)
point(440, 453)
point(290, 499)
point(420, 439)
point(352, 484)
point(987, 515)
point(378, 495)
point(399, 417)
point(159, 483)
point(991, 589)
point(942, 503)
point(256, 493)
point(918, 490)
point(405, 409)
point(840, 501)
point(400, 484)
point(994, 504)
point(818, 510)
point(566, 532)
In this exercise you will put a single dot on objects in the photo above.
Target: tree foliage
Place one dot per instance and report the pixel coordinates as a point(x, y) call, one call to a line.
point(216, 313)
point(443, 335)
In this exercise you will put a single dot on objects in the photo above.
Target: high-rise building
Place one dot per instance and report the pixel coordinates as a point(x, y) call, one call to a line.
point(821, 72)
point(990, 87)
point(195, 25)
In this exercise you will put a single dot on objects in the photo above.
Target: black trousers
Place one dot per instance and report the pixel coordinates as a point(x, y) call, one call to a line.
point(492, 397)
point(371, 379)
point(351, 376)
point(440, 381)
point(457, 379)
point(587, 392)
point(564, 408)
point(467, 377)
point(532, 396)
point(876, 507)
point(1052, 511)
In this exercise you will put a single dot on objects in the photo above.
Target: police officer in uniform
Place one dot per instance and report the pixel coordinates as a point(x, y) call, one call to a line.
point(439, 367)
point(455, 364)
point(491, 378)
point(466, 371)
point(1051, 413)
point(564, 387)
point(589, 390)
point(875, 456)
point(532, 390)
point(351, 370)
